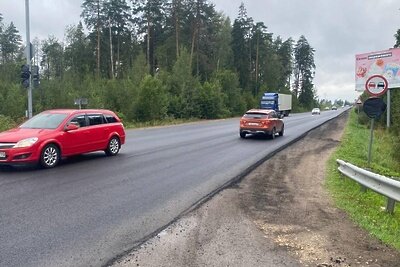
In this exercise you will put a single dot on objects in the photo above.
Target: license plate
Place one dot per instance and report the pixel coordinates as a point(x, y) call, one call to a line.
point(2, 155)
point(253, 124)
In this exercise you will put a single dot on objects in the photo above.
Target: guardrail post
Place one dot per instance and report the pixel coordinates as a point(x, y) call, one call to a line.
point(390, 205)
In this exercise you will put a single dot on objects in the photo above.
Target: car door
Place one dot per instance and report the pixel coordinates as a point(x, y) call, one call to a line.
point(277, 121)
point(76, 141)
point(98, 131)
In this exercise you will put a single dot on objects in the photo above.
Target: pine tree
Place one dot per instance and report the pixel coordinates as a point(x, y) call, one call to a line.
point(304, 72)
point(77, 51)
point(117, 14)
point(285, 53)
point(94, 17)
point(149, 17)
point(52, 58)
point(10, 42)
point(241, 46)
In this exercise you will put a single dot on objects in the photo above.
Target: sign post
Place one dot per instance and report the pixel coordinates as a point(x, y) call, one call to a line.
point(373, 107)
point(388, 110)
point(81, 101)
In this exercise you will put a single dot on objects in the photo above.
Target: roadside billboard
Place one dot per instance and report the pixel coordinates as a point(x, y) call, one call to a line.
point(384, 63)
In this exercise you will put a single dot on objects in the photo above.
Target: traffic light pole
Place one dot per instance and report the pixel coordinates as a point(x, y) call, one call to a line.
point(28, 58)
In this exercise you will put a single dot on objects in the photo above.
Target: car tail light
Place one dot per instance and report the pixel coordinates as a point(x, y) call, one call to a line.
point(265, 123)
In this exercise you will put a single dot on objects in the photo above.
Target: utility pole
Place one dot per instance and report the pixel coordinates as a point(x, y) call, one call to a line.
point(28, 58)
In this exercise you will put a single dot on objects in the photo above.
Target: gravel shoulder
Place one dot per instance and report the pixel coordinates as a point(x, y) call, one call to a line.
point(278, 215)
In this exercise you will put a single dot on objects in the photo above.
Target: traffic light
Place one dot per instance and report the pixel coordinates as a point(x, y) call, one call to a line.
point(35, 76)
point(25, 74)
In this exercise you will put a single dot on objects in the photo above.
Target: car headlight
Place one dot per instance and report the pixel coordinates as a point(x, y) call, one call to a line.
point(26, 142)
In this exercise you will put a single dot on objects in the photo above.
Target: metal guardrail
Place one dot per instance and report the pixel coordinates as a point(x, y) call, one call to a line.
point(378, 183)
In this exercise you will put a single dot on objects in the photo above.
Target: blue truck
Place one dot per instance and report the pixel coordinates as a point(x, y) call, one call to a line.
point(281, 103)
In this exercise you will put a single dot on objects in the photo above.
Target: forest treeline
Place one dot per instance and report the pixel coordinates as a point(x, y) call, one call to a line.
point(150, 60)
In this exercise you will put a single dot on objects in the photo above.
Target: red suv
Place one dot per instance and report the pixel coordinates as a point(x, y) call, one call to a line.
point(261, 121)
point(53, 134)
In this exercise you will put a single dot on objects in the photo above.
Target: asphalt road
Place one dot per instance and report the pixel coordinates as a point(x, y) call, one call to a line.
point(92, 208)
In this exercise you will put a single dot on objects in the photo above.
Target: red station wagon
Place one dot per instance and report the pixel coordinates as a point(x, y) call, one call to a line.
point(261, 121)
point(53, 134)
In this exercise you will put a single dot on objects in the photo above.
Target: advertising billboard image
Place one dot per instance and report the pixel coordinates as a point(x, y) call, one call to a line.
point(385, 63)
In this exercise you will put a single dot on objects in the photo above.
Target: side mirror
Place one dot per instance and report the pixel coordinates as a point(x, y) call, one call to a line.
point(71, 127)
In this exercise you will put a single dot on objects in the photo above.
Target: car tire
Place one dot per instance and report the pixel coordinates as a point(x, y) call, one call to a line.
point(273, 133)
point(242, 135)
point(282, 131)
point(50, 156)
point(113, 147)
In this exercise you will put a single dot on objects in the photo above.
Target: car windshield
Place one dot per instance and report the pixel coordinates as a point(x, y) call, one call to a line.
point(256, 115)
point(44, 121)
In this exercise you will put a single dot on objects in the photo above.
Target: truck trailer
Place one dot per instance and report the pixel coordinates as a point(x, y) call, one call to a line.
point(281, 103)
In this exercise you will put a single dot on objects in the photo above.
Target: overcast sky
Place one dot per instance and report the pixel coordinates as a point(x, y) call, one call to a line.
point(336, 29)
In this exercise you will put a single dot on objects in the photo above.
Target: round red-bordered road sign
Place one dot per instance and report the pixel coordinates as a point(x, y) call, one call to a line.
point(376, 85)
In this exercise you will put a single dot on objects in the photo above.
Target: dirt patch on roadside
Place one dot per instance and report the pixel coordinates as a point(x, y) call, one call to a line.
point(287, 200)
point(279, 215)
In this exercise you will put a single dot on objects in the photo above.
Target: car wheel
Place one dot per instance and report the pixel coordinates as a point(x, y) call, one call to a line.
point(273, 133)
point(282, 131)
point(50, 156)
point(242, 135)
point(113, 146)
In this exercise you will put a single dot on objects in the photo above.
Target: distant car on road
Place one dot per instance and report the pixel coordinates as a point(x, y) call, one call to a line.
point(316, 111)
point(53, 134)
point(334, 108)
point(261, 121)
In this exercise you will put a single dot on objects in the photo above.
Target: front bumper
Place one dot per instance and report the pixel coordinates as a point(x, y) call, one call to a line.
point(18, 155)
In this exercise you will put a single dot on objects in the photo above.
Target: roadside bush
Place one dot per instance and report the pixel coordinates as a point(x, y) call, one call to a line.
point(6, 123)
point(232, 98)
point(396, 148)
point(395, 112)
point(362, 118)
point(249, 101)
point(210, 101)
point(13, 100)
point(175, 107)
point(152, 102)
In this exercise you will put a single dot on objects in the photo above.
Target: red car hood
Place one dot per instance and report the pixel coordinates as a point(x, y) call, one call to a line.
point(17, 134)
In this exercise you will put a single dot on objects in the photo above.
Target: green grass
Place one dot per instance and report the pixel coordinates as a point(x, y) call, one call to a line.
point(367, 209)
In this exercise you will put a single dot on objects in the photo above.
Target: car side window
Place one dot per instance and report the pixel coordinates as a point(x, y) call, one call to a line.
point(79, 120)
point(110, 118)
point(96, 119)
